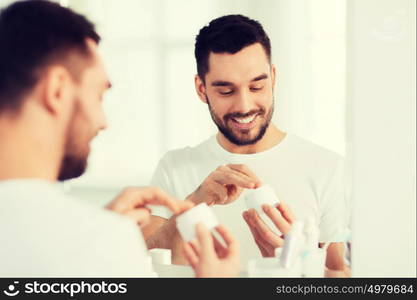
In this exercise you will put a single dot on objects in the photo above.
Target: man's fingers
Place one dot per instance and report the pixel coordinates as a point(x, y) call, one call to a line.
point(140, 215)
point(286, 212)
point(229, 177)
point(264, 231)
point(227, 193)
point(184, 206)
point(274, 214)
point(231, 242)
point(205, 240)
point(232, 249)
point(190, 255)
point(233, 193)
point(196, 247)
point(134, 197)
point(154, 195)
point(245, 170)
point(263, 246)
point(219, 248)
point(255, 181)
point(219, 193)
point(225, 184)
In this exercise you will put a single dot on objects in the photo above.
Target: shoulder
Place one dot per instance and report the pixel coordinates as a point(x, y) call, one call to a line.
point(60, 208)
point(186, 154)
point(307, 150)
point(93, 217)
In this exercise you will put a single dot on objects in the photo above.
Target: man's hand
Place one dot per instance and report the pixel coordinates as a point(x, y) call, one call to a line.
point(265, 238)
point(209, 258)
point(132, 202)
point(224, 185)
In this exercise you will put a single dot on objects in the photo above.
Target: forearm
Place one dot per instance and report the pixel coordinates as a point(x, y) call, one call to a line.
point(163, 236)
point(168, 237)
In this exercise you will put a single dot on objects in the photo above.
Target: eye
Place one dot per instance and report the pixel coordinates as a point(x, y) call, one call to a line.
point(256, 88)
point(226, 92)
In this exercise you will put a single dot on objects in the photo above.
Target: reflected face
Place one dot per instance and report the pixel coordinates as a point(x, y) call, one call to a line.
point(239, 93)
point(88, 117)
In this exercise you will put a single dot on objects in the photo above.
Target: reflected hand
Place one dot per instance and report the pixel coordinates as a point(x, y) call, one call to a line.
point(209, 258)
point(266, 239)
point(133, 201)
point(224, 185)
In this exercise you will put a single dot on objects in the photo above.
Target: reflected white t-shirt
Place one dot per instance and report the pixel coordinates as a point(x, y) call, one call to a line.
point(309, 178)
point(45, 233)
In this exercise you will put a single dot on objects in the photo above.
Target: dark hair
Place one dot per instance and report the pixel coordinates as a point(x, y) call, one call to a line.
point(228, 34)
point(34, 34)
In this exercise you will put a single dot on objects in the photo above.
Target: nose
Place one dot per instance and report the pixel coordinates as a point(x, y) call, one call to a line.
point(243, 102)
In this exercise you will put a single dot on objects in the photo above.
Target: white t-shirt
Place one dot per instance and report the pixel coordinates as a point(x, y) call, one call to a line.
point(309, 178)
point(45, 233)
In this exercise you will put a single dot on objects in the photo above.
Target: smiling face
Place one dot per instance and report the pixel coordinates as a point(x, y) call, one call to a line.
point(238, 89)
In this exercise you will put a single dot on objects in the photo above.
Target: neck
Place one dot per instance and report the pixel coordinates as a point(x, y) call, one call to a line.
point(272, 137)
point(27, 151)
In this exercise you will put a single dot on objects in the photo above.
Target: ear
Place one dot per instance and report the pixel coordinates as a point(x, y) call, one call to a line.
point(200, 88)
point(273, 75)
point(58, 90)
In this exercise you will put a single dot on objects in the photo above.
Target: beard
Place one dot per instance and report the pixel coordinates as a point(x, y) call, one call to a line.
point(244, 137)
point(74, 161)
point(72, 166)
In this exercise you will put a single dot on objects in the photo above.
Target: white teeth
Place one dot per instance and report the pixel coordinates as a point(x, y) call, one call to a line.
point(245, 120)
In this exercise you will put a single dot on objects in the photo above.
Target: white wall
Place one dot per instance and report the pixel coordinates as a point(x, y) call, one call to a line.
point(382, 134)
point(308, 42)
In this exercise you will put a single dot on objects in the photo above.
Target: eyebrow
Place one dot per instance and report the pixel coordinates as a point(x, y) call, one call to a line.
point(260, 77)
point(228, 83)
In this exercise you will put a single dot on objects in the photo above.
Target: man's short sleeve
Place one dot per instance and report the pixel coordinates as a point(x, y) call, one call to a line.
point(334, 208)
point(161, 179)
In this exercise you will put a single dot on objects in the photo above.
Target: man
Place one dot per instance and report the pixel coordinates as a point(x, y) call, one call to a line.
point(52, 82)
point(236, 80)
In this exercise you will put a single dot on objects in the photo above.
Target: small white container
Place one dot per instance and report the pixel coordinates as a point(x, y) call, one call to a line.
point(160, 256)
point(270, 267)
point(255, 198)
point(186, 222)
point(147, 264)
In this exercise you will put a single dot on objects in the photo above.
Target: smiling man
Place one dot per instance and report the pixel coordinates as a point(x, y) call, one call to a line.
point(52, 81)
point(236, 80)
